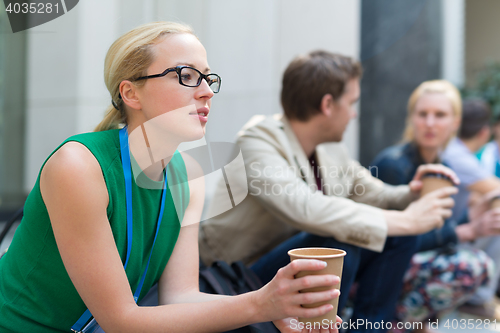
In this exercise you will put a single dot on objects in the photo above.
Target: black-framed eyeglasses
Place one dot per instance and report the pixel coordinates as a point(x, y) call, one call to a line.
point(190, 77)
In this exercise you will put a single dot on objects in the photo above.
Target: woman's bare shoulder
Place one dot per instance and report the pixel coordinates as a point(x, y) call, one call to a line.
point(73, 168)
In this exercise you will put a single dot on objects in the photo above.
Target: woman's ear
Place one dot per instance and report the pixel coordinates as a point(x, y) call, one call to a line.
point(456, 124)
point(327, 104)
point(128, 92)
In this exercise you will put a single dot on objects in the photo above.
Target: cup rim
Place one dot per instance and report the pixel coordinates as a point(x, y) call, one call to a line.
point(340, 253)
point(436, 175)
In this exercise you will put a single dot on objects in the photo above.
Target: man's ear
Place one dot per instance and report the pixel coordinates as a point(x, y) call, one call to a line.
point(327, 105)
point(485, 133)
point(128, 92)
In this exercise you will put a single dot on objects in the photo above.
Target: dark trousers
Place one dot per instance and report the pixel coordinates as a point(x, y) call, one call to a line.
point(379, 275)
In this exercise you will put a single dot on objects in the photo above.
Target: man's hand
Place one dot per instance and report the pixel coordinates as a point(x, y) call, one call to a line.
point(430, 211)
point(425, 214)
point(291, 325)
point(416, 183)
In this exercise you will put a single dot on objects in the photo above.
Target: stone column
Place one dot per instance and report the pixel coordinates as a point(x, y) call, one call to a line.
point(400, 48)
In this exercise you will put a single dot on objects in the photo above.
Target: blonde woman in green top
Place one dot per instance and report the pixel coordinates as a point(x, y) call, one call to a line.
point(69, 251)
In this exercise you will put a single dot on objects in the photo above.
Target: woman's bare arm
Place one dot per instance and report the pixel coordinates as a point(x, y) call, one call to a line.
point(486, 185)
point(179, 281)
point(75, 194)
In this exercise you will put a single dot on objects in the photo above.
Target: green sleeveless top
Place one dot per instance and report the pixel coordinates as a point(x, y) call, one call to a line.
point(36, 293)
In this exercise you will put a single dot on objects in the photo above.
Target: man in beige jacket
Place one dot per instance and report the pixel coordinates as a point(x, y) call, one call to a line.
point(305, 191)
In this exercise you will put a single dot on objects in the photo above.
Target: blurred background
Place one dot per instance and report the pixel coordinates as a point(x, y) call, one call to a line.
point(51, 76)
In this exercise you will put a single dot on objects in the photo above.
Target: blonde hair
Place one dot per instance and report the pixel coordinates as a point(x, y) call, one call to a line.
point(128, 58)
point(435, 86)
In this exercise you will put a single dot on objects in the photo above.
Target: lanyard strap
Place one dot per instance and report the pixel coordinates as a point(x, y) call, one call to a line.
point(127, 172)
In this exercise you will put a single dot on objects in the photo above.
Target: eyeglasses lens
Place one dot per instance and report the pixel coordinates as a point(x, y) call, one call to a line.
point(192, 78)
point(213, 82)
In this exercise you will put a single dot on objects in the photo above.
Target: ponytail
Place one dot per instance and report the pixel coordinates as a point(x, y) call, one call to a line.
point(112, 120)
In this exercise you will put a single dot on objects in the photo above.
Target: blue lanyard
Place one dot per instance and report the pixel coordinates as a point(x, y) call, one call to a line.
point(127, 172)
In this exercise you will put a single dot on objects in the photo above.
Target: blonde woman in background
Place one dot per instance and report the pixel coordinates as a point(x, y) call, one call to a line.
point(443, 274)
point(71, 247)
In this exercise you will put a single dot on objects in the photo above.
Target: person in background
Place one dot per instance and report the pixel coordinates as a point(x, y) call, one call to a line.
point(441, 275)
point(305, 191)
point(489, 155)
point(480, 183)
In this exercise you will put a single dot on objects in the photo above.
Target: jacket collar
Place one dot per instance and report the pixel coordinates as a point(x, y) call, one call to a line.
point(301, 161)
point(411, 150)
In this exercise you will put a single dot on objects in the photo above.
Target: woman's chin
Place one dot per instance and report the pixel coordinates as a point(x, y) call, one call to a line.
point(429, 145)
point(194, 135)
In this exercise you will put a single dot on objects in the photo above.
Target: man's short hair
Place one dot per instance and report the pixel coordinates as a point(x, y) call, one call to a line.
point(310, 77)
point(476, 115)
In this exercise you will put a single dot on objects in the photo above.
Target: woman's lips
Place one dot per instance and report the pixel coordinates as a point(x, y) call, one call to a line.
point(201, 114)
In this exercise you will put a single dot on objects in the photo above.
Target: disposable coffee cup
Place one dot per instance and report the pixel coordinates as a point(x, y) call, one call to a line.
point(434, 181)
point(495, 202)
point(334, 259)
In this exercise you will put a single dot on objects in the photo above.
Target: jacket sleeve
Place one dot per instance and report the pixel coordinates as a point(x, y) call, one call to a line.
point(439, 238)
point(389, 171)
point(377, 193)
point(445, 236)
point(392, 171)
point(278, 186)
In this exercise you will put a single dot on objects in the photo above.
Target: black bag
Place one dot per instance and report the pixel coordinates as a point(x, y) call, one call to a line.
point(235, 279)
point(8, 225)
point(223, 279)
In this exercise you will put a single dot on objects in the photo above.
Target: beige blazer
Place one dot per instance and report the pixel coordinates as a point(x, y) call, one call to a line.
point(283, 198)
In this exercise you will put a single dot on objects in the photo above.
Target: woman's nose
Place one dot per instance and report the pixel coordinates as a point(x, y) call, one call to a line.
point(430, 120)
point(204, 90)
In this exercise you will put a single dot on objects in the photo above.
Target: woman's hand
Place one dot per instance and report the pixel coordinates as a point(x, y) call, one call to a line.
point(292, 325)
point(483, 221)
point(486, 224)
point(280, 298)
point(481, 203)
point(416, 183)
